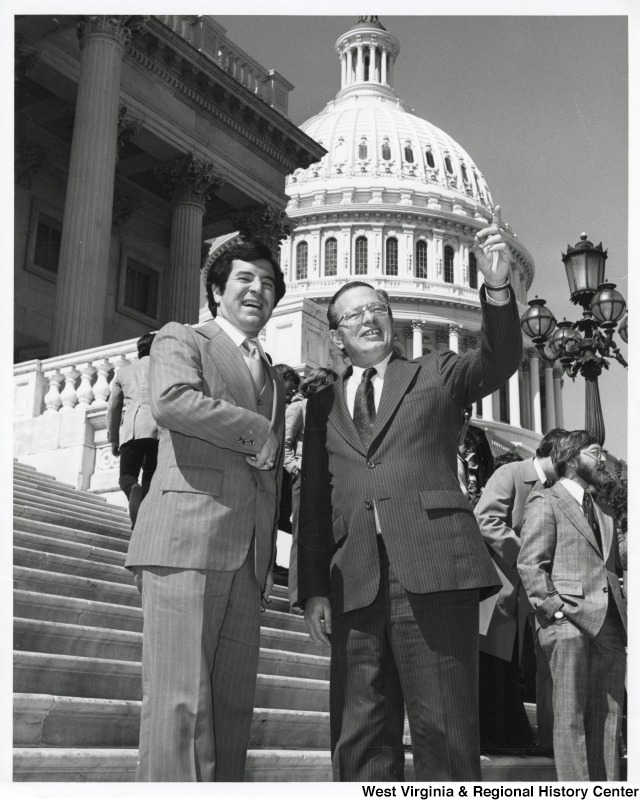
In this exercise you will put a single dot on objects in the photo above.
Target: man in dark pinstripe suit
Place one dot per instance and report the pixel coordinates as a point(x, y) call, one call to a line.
point(391, 560)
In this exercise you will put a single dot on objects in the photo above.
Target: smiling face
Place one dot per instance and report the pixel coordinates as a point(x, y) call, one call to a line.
point(367, 341)
point(249, 296)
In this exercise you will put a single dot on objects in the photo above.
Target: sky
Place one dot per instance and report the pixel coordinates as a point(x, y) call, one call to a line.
point(540, 104)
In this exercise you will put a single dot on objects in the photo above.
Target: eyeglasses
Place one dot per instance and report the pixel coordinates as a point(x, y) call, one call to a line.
point(596, 456)
point(355, 315)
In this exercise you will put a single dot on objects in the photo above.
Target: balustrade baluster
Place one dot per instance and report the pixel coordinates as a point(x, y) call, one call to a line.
point(52, 399)
point(69, 396)
point(101, 388)
point(85, 390)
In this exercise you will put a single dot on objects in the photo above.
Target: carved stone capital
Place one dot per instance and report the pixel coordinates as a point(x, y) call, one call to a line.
point(265, 223)
point(532, 353)
point(189, 179)
point(416, 325)
point(119, 28)
point(454, 328)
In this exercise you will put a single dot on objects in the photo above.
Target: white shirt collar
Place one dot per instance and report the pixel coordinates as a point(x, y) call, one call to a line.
point(539, 471)
point(574, 489)
point(236, 336)
point(381, 368)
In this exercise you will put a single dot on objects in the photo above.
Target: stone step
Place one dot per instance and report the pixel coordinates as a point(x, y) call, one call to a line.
point(74, 508)
point(121, 680)
point(37, 636)
point(42, 720)
point(62, 534)
point(67, 520)
point(72, 565)
point(19, 468)
point(47, 487)
point(66, 547)
point(117, 765)
point(76, 610)
point(48, 582)
point(43, 636)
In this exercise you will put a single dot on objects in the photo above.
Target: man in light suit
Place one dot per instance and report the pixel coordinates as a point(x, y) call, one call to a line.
point(137, 446)
point(391, 561)
point(500, 511)
point(569, 561)
point(205, 536)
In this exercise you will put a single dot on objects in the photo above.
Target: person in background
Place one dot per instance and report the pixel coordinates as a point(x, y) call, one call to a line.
point(503, 721)
point(570, 559)
point(507, 458)
point(293, 434)
point(137, 444)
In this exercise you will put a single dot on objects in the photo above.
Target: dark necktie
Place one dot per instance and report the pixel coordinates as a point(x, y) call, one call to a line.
point(590, 514)
point(548, 483)
point(364, 408)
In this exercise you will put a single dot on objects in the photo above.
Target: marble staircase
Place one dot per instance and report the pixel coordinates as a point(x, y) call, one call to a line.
point(77, 648)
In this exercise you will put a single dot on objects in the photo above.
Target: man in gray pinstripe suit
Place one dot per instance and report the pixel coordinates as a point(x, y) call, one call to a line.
point(391, 561)
point(569, 558)
point(204, 540)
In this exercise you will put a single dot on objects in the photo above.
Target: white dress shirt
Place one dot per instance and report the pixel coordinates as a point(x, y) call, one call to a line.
point(539, 471)
point(238, 338)
point(574, 489)
point(377, 381)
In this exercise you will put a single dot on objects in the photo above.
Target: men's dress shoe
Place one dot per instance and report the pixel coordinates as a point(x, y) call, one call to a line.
point(135, 498)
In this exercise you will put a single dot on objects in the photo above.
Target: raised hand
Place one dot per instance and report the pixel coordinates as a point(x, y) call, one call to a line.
point(492, 252)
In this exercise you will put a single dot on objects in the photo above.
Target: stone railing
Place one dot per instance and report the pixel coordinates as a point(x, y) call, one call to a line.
point(209, 37)
point(61, 384)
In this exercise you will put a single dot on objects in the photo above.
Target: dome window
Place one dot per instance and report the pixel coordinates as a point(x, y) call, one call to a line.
point(386, 150)
point(391, 256)
point(463, 170)
point(302, 261)
point(473, 271)
point(421, 259)
point(362, 148)
point(448, 165)
point(408, 153)
point(430, 159)
point(331, 257)
point(362, 255)
point(448, 264)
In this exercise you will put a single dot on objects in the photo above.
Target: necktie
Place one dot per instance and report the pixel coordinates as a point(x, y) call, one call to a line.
point(256, 367)
point(548, 483)
point(364, 408)
point(590, 514)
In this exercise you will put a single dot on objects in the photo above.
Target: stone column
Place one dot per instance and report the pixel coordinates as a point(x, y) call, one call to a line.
point(360, 63)
point(488, 408)
point(416, 325)
point(534, 377)
point(86, 228)
point(191, 182)
point(454, 334)
point(549, 397)
point(383, 64)
point(344, 69)
point(557, 396)
point(514, 400)
point(526, 395)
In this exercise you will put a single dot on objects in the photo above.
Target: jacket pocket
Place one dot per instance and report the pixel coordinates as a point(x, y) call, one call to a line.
point(444, 499)
point(203, 480)
point(571, 588)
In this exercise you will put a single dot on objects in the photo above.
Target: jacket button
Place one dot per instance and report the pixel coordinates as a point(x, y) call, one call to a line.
point(368, 504)
point(605, 589)
point(371, 464)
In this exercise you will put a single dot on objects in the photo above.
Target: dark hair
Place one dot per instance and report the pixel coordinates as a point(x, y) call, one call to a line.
point(316, 379)
point(288, 373)
point(545, 445)
point(220, 269)
point(507, 458)
point(332, 316)
point(144, 344)
point(568, 445)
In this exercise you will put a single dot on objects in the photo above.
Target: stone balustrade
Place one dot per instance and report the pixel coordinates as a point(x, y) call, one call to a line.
point(63, 384)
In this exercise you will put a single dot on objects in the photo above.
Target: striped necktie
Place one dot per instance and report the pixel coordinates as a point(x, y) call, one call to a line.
point(256, 367)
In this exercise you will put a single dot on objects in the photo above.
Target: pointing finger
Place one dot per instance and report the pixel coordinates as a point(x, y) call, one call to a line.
point(497, 221)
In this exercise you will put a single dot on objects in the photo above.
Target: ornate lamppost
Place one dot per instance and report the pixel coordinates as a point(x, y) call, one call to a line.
point(585, 346)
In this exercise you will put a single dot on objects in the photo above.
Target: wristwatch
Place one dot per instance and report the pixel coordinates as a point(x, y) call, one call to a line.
point(558, 615)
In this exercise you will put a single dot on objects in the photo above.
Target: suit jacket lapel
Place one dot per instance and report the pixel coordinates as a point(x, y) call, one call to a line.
point(397, 378)
point(606, 529)
point(277, 411)
point(572, 510)
point(340, 417)
point(228, 359)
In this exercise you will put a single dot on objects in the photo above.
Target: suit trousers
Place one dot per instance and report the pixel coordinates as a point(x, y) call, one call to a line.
point(421, 649)
point(136, 455)
point(199, 668)
point(588, 694)
point(293, 554)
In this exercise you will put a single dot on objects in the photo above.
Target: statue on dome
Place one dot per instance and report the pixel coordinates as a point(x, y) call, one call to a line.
point(367, 19)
